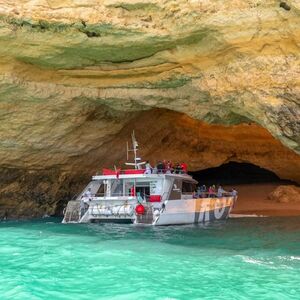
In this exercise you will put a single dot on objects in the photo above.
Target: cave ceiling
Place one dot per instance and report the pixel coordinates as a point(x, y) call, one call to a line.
point(204, 81)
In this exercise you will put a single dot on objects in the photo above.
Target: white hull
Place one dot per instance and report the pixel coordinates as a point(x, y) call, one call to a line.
point(165, 199)
point(174, 212)
point(193, 211)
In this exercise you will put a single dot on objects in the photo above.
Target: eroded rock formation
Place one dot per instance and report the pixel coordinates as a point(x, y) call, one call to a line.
point(76, 78)
point(285, 194)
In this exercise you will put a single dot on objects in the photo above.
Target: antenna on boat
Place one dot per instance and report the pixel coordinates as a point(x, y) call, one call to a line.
point(127, 151)
point(137, 164)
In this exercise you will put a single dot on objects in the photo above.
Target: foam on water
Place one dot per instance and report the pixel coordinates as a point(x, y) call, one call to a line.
point(234, 259)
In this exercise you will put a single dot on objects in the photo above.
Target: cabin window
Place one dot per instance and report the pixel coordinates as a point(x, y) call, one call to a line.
point(97, 188)
point(143, 190)
point(101, 191)
point(129, 187)
point(187, 187)
point(156, 187)
point(116, 187)
point(176, 190)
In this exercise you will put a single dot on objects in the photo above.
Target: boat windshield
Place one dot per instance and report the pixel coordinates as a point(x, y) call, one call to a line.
point(140, 188)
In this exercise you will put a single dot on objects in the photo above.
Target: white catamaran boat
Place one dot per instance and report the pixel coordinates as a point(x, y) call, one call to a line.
point(140, 197)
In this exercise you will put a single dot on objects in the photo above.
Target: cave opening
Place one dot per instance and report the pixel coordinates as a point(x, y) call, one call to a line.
point(236, 173)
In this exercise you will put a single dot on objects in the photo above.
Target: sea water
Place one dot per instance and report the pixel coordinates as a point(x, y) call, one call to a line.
point(249, 258)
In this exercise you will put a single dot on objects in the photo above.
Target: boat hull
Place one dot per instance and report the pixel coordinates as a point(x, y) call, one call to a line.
point(193, 211)
point(170, 212)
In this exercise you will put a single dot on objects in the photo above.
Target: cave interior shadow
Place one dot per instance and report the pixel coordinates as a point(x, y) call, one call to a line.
point(236, 173)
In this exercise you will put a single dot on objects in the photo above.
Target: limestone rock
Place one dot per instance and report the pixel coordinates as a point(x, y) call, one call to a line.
point(75, 76)
point(285, 194)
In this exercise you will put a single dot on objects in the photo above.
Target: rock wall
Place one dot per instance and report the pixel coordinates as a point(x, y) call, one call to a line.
point(162, 134)
point(76, 76)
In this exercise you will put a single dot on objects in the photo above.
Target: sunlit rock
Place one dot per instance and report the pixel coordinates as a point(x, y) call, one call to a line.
point(76, 78)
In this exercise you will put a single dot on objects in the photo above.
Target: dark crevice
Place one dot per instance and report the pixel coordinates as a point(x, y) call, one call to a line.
point(285, 6)
point(91, 34)
point(236, 173)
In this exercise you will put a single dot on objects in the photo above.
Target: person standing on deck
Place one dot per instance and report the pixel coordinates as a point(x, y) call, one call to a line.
point(82, 207)
point(160, 167)
point(177, 169)
point(220, 192)
point(164, 166)
point(87, 197)
point(234, 193)
point(169, 167)
point(148, 168)
point(199, 191)
point(88, 194)
point(184, 167)
point(214, 190)
point(132, 191)
point(211, 192)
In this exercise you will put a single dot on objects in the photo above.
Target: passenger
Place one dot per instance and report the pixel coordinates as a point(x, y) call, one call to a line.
point(139, 197)
point(88, 194)
point(160, 167)
point(87, 197)
point(132, 192)
point(199, 191)
point(169, 167)
point(220, 191)
point(211, 192)
point(234, 193)
point(180, 169)
point(86, 202)
point(177, 169)
point(164, 166)
point(214, 189)
point(82, 208)
point(154, 170)
point(148, 168)
point(184, 167)
point(204, 191)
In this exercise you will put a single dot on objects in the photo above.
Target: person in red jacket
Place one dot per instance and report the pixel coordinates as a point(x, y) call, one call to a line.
point(132, 191)
point(184, 167)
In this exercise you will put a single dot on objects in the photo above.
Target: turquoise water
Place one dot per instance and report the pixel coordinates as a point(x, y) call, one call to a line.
point(256, 258)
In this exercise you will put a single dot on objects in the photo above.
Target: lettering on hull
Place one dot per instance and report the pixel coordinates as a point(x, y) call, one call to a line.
point(211, 215)
point(214, 209)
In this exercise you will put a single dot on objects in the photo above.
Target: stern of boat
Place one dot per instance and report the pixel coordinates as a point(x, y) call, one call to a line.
point(72, 212)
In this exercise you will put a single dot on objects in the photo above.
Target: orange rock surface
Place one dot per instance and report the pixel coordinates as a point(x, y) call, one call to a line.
point(206, 82)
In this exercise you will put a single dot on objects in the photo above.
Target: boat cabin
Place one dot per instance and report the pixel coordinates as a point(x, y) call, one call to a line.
point(136, 185)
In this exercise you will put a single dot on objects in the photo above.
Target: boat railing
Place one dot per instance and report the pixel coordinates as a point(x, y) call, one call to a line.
point(127, 196)
point(113, 198)
point(117, 194)
point(214, 195)
point(117, 172)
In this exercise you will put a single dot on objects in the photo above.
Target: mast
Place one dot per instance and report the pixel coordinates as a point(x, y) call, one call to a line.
point(137, 164)
point(135, 149)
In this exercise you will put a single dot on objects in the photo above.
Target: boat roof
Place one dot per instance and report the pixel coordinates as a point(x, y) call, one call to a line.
point(184, 176)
